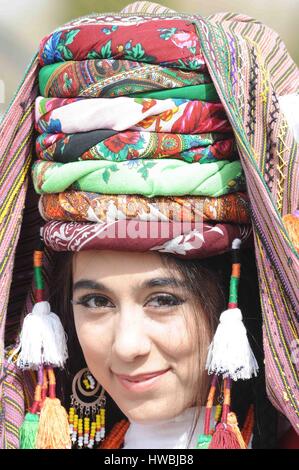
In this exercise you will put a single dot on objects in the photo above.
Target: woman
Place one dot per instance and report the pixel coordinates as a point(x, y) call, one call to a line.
point(73, 130)
point(125, 305)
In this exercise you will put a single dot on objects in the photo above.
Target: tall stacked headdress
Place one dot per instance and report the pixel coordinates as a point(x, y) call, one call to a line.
point(132, 132)
point(133, 138)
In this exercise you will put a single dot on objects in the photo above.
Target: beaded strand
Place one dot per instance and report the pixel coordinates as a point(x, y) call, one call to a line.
point(116, 436)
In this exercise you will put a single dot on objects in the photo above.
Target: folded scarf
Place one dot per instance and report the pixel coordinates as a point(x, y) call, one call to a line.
point(54, 115)
point(114, 146)
point(112, 77)
point(82, 206)
point(166, 177)
point(187, 240)
point(167, 42)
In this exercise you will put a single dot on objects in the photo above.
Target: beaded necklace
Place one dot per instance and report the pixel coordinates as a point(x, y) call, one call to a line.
point(115, 438)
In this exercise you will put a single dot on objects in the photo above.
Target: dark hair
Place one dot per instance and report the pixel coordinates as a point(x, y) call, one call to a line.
point(208, 283)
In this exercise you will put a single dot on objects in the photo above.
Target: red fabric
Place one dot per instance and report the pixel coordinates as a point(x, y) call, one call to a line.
point(172, 42)
point(290, 440)
point(184, 240)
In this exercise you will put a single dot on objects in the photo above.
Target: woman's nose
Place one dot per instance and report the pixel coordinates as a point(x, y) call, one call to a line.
point(131, 338)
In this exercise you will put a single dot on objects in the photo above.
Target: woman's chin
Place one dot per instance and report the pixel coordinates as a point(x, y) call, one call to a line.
point(149, 414)
point(151, 410)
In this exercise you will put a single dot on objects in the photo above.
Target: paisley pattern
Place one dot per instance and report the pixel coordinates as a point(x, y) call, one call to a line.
point(197, 240)
point(108, 78)
point(82, 206)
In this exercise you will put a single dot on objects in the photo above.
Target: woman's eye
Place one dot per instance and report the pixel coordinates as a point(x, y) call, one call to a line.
point(165, 300)
point(94, 301)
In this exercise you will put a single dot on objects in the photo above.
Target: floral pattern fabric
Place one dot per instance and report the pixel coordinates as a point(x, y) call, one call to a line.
point(121, 146)
point(166, 177)
point(82, 206)
point(171, 43)
point(69, 115)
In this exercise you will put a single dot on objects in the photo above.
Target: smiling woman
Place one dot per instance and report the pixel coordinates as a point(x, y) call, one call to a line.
point(142, 323)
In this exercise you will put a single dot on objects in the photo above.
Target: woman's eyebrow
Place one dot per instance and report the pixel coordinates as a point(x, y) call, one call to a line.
point(89, 284)
point(163, 282)
point(154, 282)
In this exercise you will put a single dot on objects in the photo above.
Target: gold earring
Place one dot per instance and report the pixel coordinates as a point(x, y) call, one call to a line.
point(87, 411)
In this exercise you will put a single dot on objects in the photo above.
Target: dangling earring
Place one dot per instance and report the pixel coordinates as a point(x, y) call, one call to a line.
point(86, 415)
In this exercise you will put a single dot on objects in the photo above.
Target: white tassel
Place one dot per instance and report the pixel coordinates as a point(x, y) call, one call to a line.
point(230, 352)
point(30, 355)
point(42, 339)
point(54, 341)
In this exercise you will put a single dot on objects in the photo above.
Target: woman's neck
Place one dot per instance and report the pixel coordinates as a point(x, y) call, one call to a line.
point(172, 433)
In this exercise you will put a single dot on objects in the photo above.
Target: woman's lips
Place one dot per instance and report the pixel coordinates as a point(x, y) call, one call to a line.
point(146, 383)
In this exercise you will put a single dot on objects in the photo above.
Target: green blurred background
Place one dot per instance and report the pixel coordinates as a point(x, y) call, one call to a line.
point(23, 23)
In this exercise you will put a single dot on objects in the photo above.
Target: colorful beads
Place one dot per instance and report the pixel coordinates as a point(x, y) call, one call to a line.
point(98, 428)
point(102, 416)
point(75, 429)
point(86, 430)
point(100, 425)
point(92, 435)
point(116, 436)
point(71, 419)
point(80, 432)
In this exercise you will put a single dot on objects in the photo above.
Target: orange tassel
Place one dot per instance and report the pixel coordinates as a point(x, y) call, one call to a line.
point(233, 423)
point(53, 430)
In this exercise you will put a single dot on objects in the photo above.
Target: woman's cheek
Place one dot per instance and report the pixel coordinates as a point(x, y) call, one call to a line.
point(175, 336)
point(93, 338)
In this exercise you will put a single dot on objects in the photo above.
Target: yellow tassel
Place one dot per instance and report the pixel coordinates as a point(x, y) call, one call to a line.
point(53, 430)
point(232, 421)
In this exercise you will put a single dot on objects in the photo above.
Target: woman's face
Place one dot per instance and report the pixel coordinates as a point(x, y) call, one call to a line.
point(130, 316)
